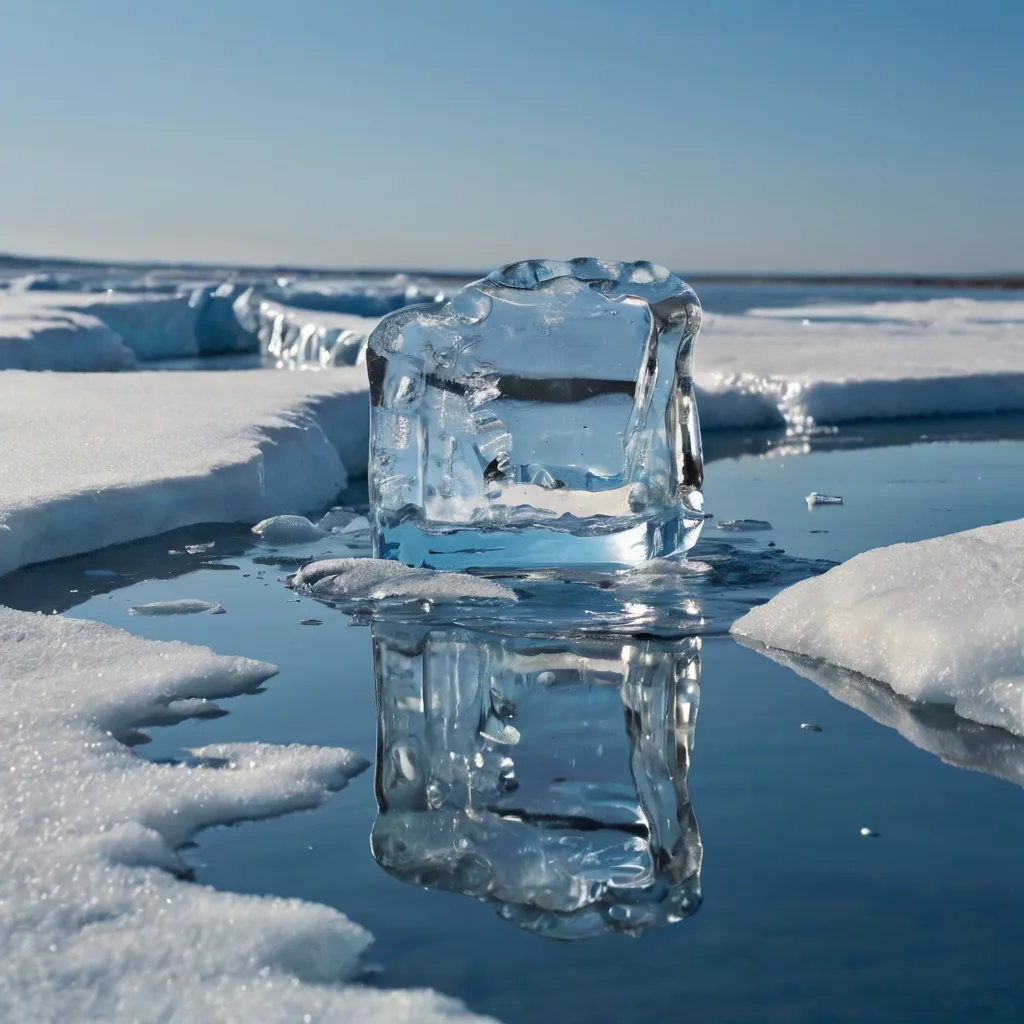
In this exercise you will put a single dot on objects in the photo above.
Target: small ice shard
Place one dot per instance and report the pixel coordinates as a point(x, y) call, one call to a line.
point(814, 498)
point(311, 622)
point(198, 549)
point(744, 525)
point(810, 727)
point(337, 519)
point(377, 579)
point(288, 530)
point(185, 606)
point(869, 833)
point(543, 416)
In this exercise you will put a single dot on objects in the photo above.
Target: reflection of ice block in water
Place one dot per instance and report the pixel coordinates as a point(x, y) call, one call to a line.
point(542, 416)
point(547, 778)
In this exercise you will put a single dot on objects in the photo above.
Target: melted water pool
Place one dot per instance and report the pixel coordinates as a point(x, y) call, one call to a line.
point(802, 918)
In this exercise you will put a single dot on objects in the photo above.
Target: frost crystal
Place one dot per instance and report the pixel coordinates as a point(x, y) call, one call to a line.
point(541, 416)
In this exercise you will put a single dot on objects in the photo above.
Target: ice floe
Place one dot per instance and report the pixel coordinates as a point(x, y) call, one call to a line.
point(372, 579)
point(133, 455)
point(98, 923)
point(819, 365)
point(938, 620)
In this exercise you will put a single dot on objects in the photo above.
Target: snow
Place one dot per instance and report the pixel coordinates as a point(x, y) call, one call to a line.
point(133, 455)
point(938, 620)
point(152, 326)
point(98, 924)
point(802, 366)
point(58, 340)
point(288, 530)
point(376, 579)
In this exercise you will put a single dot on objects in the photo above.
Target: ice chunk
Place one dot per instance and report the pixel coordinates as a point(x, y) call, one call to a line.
point(939, 620)
point(542, 416)
point(288, 530)
point(565, 822)
point(744, 525)
point(814, 498)
point(124, 456)
point(371, 579)
point(183, 606)
point(298, 339)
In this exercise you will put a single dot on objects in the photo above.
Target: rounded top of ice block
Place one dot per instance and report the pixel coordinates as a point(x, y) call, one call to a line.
point(648, 281)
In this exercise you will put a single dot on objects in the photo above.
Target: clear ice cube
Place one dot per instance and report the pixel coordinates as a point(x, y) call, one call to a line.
point(544, 776)
point(541, 416)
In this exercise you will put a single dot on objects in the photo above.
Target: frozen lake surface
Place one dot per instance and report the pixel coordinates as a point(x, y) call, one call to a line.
point(846, 873)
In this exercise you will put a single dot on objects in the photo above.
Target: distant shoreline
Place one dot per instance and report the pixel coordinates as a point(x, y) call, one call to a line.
point(971, 282)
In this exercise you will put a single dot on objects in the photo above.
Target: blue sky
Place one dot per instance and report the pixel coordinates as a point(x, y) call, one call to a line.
point(880, 135)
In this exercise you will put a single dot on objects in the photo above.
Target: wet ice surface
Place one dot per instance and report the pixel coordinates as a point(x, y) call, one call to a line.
point(824, 923)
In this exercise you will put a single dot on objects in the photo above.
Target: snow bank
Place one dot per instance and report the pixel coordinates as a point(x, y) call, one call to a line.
point(153, 326)
point(124, 456)
point(373, 579)
point(59, 340)
point(833, 364)
point(96, 927)
point(302, 338)
point(939, 621)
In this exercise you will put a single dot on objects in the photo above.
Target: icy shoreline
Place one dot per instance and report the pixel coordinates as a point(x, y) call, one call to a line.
point(90, 462)
point(938, 620)
point(98, 923)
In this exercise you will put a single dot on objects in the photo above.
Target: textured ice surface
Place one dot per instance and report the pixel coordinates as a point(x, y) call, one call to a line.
point(939, 620)
point(84, 464)
point(96, 926)
point(58, 340)
point(297, 339)
point(183, 606)
point(545, 776)
point(370, 579)
point(288, 530)
point(541, 416)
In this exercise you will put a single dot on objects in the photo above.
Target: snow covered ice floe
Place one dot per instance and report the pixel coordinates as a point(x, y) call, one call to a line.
point(824, 365)
point(151, 326)
point(123, 456)
point(938, 620)
point(374, 579)
point(97, 923)
point(60, 340)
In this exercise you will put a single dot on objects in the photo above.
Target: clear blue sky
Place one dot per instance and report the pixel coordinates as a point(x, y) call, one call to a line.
point(861, 135)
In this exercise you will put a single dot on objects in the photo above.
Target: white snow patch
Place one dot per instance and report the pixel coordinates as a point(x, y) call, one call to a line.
point(376, 579)
point(939, 620)
point(59, 340)
point(288, 530)
point(934, 357)
point(85, 464)
point(153, 326)
point(182, 606)
point(95, 925)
